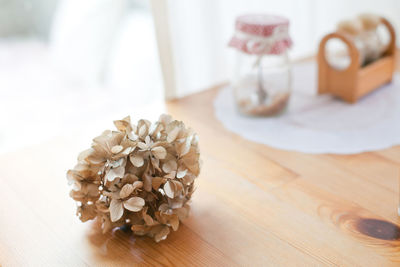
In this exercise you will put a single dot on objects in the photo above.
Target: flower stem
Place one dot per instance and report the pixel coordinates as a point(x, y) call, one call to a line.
point(261, 93)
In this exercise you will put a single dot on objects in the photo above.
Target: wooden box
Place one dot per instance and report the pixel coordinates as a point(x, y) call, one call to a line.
point(355, 81)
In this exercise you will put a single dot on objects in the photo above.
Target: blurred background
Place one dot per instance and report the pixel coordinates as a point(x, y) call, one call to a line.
point(73, 66)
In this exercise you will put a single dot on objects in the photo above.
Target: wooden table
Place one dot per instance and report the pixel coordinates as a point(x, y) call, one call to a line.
point(254, 205)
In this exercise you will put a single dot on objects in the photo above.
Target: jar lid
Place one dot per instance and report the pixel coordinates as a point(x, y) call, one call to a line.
point(261, 34)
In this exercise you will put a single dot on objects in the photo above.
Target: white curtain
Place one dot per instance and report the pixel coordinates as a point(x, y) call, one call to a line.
point(192, 34)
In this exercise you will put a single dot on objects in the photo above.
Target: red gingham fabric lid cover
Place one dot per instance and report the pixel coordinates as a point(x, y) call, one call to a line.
point(261, 34)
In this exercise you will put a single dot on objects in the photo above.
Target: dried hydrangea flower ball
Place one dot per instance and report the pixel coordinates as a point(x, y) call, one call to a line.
point(140, 175)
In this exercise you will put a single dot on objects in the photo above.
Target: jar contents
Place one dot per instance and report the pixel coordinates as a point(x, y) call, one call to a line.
point(373, 45)
point(276, 105)
point(263, 92)
point(363, 31)
point(261, 82)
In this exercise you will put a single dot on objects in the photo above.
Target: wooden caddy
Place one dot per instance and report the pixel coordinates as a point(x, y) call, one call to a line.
point(355, 81)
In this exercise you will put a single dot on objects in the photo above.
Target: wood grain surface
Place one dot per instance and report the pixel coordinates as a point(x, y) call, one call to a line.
point(254, 206)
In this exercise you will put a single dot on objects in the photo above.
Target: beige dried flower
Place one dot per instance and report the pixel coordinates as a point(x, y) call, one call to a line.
point(141, 176)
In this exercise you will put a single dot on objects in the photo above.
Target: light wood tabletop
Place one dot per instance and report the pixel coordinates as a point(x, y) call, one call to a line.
point(254, 206)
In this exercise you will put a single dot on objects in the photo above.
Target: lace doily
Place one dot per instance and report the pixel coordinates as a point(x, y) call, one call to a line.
point(320, 123)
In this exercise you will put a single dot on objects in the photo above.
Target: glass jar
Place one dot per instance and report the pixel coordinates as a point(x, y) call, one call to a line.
point(262, 73)
point(364, 32)
point(373, 45)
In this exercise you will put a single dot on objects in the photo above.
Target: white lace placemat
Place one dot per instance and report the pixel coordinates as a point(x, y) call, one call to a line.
point(320, 123)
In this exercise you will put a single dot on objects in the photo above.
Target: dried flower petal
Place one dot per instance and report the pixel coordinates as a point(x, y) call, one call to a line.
point(142, 146)
point(136, 160)
point(170, 175)
point(148, 220)
point(181, 173)
point(162, 234)
point(127, 151)
point(142, 130)
point(178, 186)
point(139, 228)
point(173, 134)
point(130, 178)
point(137, 185)
point(115, 173)
point(126, 190)
point(155, 163)
point(116, 149)
point(184, 147)
point(170, 166)
point(169, 189)
point(124, 124)
point(87, 212)
point(163, 207)
point(159, 152)
point(174, 221)
point(116, 210)
point(134, 203)
point(147, 182)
